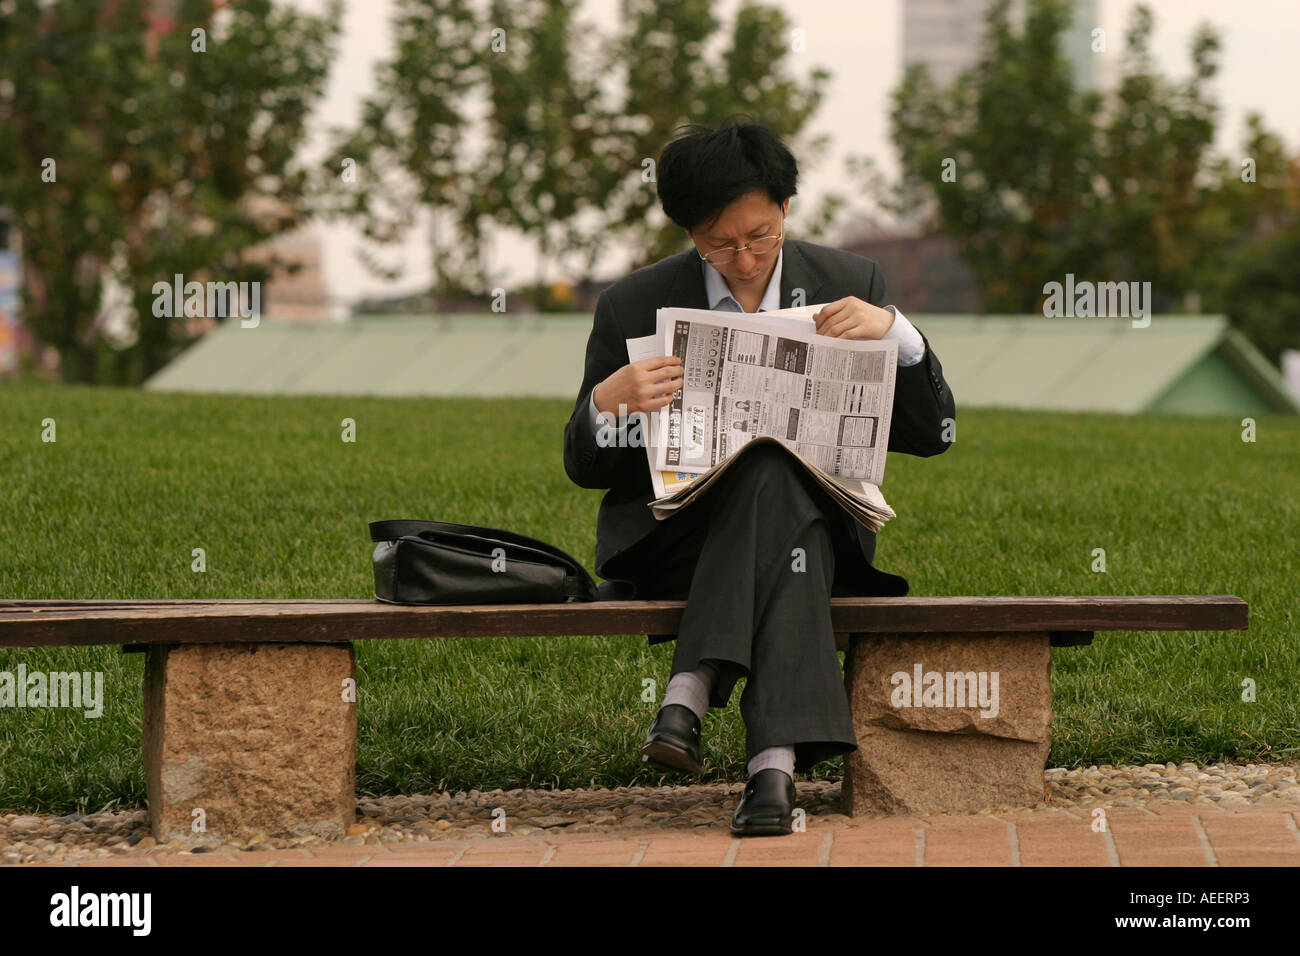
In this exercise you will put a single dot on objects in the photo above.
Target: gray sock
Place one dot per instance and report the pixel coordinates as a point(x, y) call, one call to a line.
point(782, 758)
point(691, 689)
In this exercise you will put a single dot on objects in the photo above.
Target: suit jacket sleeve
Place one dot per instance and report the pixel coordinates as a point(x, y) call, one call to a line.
point(922, 399)
point(587, 463)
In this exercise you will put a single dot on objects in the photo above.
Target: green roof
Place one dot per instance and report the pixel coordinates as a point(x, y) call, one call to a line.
point(1193, 365)
point(1186, 364)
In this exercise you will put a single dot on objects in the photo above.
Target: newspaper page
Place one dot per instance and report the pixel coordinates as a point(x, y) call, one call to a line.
point(664, 482)
point(861, 499)
point(828, 400)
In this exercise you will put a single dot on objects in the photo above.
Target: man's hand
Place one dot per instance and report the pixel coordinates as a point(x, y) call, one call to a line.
point(851, 318)
point(640, 386)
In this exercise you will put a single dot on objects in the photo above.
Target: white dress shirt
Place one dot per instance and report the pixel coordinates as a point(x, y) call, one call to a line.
point(911, 347)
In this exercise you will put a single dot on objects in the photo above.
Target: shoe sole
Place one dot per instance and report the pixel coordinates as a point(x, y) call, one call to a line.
point(674, 758)
point(762, 829)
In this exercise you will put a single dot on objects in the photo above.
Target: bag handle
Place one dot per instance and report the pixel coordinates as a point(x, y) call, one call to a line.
point(577, 583)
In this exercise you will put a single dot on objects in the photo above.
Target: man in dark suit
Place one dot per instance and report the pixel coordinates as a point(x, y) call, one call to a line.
point(751, 610)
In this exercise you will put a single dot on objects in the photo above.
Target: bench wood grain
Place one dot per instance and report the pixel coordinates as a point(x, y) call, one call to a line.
point(75, 623)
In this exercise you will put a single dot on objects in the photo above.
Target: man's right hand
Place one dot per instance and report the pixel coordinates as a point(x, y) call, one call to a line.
point(642, 386)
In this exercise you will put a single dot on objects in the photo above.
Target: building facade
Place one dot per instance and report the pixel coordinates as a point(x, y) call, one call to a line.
point(945, 35)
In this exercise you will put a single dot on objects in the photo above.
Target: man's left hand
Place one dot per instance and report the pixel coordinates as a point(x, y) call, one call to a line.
point(851, 318)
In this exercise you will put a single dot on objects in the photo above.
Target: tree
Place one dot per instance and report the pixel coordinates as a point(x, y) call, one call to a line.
point(1157, 168)
point(669, 78)
point(573, 120)
point(1252, 229)
point(1048, 179)
point(172, 147)
point(541, 167)
point(408, 152)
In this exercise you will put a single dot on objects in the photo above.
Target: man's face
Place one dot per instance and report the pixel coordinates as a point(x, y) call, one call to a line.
point(749, 217)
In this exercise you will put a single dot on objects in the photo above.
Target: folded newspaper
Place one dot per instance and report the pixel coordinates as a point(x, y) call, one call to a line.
point(750, 380)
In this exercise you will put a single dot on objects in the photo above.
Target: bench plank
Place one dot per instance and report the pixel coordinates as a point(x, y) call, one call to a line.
point(121, 622)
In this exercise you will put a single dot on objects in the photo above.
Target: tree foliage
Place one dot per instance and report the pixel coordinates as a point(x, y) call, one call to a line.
point(1252, 235)
point(1049, 179)
point(163, 142)
point(520, 116)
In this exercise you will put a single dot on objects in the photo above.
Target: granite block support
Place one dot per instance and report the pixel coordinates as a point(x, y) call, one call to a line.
point(947, 723)
point(241, 739)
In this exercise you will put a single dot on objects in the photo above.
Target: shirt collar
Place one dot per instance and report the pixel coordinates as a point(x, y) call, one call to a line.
point(715, 287)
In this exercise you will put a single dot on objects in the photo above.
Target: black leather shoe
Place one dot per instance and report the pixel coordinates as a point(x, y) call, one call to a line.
point(767, 806)
point(674, 740)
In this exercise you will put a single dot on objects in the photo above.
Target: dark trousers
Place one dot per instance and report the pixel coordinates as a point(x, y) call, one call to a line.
point(755, 558)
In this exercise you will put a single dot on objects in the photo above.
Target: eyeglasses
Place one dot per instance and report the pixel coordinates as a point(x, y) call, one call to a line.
point(758, 247)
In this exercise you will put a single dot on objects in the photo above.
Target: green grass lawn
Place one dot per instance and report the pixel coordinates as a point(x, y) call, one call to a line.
point(280, 504)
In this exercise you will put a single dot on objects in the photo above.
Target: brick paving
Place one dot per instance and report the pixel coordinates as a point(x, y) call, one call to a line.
point(1162, 835)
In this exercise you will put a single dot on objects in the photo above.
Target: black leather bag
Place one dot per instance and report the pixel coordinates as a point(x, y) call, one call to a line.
point(436, 562)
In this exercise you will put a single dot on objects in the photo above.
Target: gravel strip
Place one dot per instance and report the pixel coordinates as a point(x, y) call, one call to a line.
point(26, 838)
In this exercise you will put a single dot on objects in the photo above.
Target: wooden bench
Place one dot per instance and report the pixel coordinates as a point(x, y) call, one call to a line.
point(250, 707)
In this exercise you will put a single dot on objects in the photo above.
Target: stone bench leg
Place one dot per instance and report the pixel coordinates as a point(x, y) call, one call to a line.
point(259, 737)
point(950, 754)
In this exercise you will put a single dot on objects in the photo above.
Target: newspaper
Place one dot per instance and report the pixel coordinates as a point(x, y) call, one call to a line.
point(664, 482)
point(859, 498)
point(826, 400)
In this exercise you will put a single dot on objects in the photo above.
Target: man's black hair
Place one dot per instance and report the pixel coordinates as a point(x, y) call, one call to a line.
point(705, 169)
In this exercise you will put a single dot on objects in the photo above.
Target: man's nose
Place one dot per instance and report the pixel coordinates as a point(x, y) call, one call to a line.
point(746, 260)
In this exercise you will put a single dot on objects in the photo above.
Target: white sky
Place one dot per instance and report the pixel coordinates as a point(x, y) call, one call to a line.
point(860, 43)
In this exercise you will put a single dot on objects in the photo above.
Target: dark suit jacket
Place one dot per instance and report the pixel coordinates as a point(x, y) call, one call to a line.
point(626, 310)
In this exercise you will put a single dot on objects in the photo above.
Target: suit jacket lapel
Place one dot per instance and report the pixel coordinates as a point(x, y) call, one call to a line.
point(687, 290)
point(797, 273)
